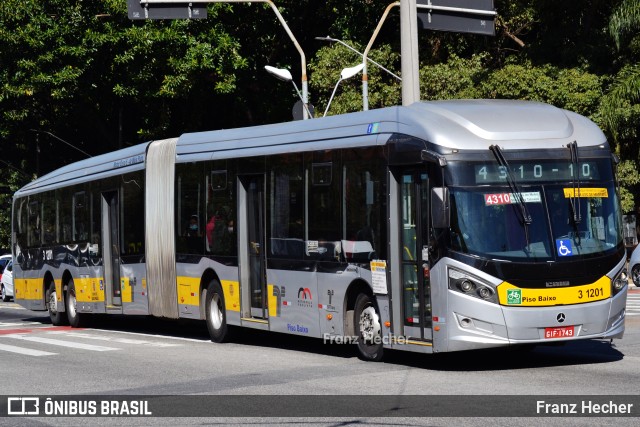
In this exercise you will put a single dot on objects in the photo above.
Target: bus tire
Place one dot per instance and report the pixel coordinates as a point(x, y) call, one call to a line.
point(57, 318)
point(216, 315)
point(369, 332)
point(76, 319)
point(635, 275)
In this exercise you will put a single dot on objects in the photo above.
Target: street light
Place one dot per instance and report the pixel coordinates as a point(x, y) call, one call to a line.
point(347, 73)
point(365, 88)
point(331, 39)
point(285, 76)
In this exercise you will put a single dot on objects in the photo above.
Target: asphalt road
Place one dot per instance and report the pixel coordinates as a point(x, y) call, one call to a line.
point(139, 356)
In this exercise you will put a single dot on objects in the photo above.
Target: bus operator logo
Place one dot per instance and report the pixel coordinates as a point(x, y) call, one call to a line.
point(304, 298)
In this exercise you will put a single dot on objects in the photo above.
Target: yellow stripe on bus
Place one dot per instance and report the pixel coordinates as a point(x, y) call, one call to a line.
point(586, 192)
point(272, 301)
point(28, 289)
point(189, 292)
point(511, 295)
point(231, 292)
point(88, 289)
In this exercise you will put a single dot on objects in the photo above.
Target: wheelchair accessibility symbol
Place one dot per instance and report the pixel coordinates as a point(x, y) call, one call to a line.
point(564, 247)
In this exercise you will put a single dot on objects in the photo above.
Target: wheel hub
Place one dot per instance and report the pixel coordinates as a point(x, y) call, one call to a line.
point(215, 312)
point(53, 302)
point(369, 324)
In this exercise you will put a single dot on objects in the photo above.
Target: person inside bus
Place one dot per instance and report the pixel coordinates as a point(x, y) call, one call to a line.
point(220, 232)
point(194, 241)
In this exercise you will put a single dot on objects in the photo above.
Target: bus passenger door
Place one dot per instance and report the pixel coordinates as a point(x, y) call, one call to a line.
point(111, 248)
point(414, 243)
point(252, 248)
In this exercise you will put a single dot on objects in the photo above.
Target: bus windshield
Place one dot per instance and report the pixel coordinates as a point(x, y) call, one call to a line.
point(486, 221)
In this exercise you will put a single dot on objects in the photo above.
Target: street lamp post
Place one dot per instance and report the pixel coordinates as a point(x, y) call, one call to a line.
point(346, 73)
point(365, 78)
point(285, 76)
point(331, 39)
point(303, 61)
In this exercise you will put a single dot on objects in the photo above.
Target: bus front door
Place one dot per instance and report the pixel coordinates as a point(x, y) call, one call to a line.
point(111, 248)
point(252, 247)
point(416, 295)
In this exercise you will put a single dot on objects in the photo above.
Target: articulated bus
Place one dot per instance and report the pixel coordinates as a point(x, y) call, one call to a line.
point(439, 226)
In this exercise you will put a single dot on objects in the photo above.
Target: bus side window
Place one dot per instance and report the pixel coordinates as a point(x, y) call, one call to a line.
point(286, 207)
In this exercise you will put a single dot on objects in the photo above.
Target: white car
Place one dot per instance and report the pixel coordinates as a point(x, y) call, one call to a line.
point(4, 260)
point(6, 284)
point(634, 266)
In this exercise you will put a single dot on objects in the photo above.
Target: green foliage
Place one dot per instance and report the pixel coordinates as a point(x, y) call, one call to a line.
point(456, 78)
point(629, 178)
point(11, 179)
point(572, 89)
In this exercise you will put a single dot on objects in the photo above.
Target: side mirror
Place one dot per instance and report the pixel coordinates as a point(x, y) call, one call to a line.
point(440, 215)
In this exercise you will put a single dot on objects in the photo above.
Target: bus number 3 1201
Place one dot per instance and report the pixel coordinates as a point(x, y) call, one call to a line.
point(590, 293)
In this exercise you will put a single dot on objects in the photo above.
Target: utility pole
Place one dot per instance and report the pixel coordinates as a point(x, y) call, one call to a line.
point(409, 52)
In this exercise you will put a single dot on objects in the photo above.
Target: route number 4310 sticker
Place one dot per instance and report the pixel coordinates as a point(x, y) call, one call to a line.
point(510, 198)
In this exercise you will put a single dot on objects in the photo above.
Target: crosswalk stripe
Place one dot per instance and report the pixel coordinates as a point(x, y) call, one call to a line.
point(7, 324)
point(62, 343)
point(25, 351)
point(118, 340)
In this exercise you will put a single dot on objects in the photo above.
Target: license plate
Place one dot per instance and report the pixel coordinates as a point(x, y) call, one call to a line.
point(560, 332)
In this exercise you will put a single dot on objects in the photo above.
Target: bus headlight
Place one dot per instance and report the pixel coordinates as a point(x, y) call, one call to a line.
point(619, 282)
point(467, 284)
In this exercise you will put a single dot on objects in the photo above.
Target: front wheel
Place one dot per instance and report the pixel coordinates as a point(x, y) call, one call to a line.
point(635, 274)
point(56, 317)
point(367, 321)
point(216, 315)
point(3, 294)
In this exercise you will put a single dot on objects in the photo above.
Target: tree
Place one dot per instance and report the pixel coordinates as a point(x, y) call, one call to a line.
point(621, 106)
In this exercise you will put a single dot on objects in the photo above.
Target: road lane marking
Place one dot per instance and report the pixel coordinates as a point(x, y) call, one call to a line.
point(7, 324)
point(25, 351)
point(111, 339)
point(61, 343)
point(201, 340)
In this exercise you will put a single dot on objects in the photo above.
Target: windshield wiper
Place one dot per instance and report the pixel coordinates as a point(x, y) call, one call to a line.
point(575, 181)
point(526, 218)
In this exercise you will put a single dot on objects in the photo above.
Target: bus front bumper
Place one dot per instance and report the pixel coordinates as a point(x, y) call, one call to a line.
point(481, 325)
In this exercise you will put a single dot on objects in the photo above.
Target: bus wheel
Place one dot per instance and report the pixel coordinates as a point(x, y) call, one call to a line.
point(216, 313)
point(56, 317)
point(75, 319)
point(635, 275)
point(367, 321)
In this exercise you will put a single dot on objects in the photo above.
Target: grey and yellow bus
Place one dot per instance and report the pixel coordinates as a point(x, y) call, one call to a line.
point(440, 226)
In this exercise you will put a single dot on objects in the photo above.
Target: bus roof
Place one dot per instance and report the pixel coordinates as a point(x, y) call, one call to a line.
point(457, 124)
point(454, 124)
point(116, 162)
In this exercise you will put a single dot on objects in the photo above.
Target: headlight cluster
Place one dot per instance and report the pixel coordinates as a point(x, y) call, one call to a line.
point(619, 282)
point(469, 285)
